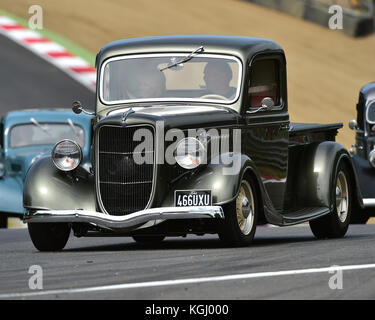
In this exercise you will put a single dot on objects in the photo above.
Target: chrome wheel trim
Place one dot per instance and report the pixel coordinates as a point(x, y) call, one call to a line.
point(245, 208)
point(342, 196)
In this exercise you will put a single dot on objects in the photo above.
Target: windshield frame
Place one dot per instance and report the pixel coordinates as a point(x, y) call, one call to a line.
point(165, 99)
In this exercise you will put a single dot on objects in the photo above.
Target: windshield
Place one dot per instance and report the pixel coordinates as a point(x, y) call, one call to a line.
point(45, 134)
point(203, 77)
point(371, 113)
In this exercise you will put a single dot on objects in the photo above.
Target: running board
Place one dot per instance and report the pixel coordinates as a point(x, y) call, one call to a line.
point(303, 215)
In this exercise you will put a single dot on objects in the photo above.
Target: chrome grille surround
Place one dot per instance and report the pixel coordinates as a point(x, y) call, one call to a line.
point(122, 186)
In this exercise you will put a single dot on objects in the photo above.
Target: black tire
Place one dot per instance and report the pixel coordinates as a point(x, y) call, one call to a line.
point(151, 239)
point(49, 236)
point(334, 224)
point(3, 220)
point(241, 216)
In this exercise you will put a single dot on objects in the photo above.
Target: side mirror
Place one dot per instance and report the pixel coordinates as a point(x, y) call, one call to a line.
point(268, 103)
point(77, 109)
point(353, 124)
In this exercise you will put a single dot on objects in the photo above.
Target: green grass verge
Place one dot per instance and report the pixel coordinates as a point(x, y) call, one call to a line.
point(67, 44)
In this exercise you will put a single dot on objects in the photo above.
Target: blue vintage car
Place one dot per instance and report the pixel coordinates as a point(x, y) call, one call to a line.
point(27, 135)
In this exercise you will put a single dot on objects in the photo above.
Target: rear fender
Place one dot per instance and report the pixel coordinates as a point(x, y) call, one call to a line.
point(312, 184)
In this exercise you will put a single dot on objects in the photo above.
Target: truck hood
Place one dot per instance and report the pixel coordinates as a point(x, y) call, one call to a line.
point(174, 116)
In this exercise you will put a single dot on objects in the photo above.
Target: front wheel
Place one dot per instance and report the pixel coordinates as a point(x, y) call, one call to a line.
point(239, 225)
point(49, 236)
point(336, 223)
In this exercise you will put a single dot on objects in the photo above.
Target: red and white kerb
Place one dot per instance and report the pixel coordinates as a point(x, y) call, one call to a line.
point(74, 66)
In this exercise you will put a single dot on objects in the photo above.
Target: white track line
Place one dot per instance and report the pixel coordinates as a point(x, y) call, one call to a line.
point(176, 282)
point(75, 67)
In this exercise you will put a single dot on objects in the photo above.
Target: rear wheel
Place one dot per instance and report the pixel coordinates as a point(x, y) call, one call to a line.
point(239, 225)
point(49, 236)
point(336, 223)
point(152, 239)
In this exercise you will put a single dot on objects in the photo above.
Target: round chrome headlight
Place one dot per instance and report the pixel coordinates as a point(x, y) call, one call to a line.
point(66, 155)
point(190, 153)
point(371, 158)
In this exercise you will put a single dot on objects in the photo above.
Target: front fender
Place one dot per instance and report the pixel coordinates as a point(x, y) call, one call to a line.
point(214, 177)
point(11, 195)
point(224, 182)
point(48, 188)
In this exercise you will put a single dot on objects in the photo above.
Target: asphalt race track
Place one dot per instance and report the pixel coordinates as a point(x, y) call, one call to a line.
point(119, 268)
point(28, 81)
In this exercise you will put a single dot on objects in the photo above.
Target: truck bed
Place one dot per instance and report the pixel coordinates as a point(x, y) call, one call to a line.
point(305, 133)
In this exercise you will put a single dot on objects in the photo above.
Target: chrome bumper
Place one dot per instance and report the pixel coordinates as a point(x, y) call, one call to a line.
point(137, 220)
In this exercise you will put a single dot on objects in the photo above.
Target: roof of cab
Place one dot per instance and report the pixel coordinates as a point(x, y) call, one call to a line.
point(240, 46)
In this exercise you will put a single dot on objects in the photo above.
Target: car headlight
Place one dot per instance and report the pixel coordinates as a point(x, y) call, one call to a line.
point(371, 158)
point(190, 153)
point(66, 155)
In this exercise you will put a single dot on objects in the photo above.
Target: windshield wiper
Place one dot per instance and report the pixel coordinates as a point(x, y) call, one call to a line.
point(36, 123)
point(186, 59)
point(73, 127)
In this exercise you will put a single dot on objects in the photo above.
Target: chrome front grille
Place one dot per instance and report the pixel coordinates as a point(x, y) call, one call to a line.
point(123, 185)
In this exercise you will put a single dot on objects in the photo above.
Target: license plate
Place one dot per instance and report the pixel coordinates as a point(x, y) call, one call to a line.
point(192, 198)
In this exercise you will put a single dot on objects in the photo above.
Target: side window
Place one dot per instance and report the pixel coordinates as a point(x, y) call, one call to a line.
point(264, 82)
